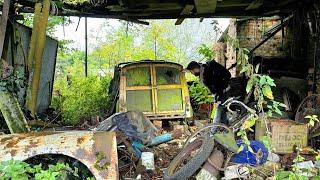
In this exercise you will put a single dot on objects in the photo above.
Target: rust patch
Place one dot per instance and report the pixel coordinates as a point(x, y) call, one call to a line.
point(12, 143)
point(5, 139)
point(80, 140)
point(13, 152)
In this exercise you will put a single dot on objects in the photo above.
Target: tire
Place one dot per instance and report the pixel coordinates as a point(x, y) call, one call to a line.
point(207, 145)
point(206, 131)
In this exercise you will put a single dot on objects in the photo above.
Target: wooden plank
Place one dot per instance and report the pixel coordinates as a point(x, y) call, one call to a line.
point(12, 113)
point(37, 44)
point(3, 23)
point(255, 5)
point(186, 10)
point(205, 6)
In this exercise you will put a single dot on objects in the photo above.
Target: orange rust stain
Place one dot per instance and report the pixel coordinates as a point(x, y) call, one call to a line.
point(12, 143)
point(5, 139)
point(80, 140)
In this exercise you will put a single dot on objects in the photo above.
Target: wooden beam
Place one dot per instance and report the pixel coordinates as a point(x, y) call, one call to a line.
point(205, 6)
point(12, 113)
point(256, 4)
point(186, 10)
point(37, 44)
point(3, 23)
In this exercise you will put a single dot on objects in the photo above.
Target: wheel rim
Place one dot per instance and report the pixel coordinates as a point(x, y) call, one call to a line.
point(192, 148)
point(210, 129)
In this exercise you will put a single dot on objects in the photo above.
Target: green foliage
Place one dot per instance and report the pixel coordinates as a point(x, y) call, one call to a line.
point(267, 141)
point(22, 171)
point(82, 98)
point(242, 133)
point(206, 52)
point(312, 119)
point(12, 79)
point(298, 173)
point(200, 93)
point(15, 170)
point(289, 175)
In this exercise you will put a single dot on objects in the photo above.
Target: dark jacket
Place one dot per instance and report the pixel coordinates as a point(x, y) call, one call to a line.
point(216, 77)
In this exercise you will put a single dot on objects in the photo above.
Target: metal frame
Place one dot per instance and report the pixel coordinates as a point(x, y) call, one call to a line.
point(155, 113)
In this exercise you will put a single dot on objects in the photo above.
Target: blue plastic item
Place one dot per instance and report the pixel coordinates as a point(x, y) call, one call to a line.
point(259, 156)
point(161, 139)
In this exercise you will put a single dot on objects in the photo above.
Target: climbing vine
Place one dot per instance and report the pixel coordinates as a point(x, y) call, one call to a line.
point(261, 87)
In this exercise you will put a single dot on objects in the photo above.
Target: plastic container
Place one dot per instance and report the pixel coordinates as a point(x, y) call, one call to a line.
point(147, 160)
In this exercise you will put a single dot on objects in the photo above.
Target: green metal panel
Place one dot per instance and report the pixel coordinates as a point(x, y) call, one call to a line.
point(139, 100)
point(169, 99)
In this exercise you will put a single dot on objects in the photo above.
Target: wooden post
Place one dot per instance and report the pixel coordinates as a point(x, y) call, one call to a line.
point(12, 113)
point(3, 23)
point(37, 44)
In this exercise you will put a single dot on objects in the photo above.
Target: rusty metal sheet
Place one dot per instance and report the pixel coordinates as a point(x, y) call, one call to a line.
point(96, 150)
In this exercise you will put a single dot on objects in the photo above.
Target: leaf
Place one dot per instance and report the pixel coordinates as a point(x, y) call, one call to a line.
point(250, 149)
point(244, 69)
point(250, 84)
point(278, 111)
point(263, 80)
point(311, 122)
point(266, 90)
point(249, 123)
point(240, 148)
point(270, 81)
point(257, 68)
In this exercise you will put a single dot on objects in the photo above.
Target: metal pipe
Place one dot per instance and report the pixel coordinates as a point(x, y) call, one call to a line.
point(86, 46)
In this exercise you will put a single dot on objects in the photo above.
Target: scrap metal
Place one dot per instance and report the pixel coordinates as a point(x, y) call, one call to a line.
point(96, 150)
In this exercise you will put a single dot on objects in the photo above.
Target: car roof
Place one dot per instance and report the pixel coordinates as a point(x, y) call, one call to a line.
point(128, 64)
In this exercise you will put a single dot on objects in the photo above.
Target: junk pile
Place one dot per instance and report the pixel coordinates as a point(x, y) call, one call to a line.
point(141, 149)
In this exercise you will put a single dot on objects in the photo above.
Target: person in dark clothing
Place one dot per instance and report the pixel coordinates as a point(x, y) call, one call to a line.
point(214, 76)
point(217, 79)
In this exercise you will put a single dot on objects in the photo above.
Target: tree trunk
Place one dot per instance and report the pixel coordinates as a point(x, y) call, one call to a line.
point(12, 113)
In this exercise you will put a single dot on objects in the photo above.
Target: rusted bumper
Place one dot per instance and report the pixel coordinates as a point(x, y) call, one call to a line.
point(96, 150)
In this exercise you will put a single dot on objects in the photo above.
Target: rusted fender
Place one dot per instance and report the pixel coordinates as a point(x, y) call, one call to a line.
point(96, 150)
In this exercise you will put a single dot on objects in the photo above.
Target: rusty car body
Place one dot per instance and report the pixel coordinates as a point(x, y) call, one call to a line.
point(96, 150)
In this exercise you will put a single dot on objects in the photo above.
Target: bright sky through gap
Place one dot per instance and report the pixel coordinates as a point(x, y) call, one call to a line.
point(95, 25)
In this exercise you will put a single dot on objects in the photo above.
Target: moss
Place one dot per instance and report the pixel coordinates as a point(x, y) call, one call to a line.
point(100, 164)
point(169, 99)
point(138, 76)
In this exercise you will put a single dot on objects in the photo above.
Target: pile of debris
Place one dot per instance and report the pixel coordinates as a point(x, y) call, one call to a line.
point(143, 150)
point(207, 152)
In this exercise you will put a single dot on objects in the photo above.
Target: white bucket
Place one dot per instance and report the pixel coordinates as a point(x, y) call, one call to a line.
point(147, 160)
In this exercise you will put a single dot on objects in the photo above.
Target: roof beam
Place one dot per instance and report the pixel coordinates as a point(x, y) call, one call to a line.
point(186, 10)
point(205, 6)
point(255, 5)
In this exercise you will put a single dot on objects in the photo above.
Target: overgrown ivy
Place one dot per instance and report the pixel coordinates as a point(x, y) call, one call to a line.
point(10, 79)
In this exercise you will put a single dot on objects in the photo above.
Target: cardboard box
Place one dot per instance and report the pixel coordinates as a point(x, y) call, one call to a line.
point(285, 134)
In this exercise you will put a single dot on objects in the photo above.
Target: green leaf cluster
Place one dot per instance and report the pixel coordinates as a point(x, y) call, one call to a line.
point(200, 93)
point(81, 98)
point(14, 169)
point(206, 52)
